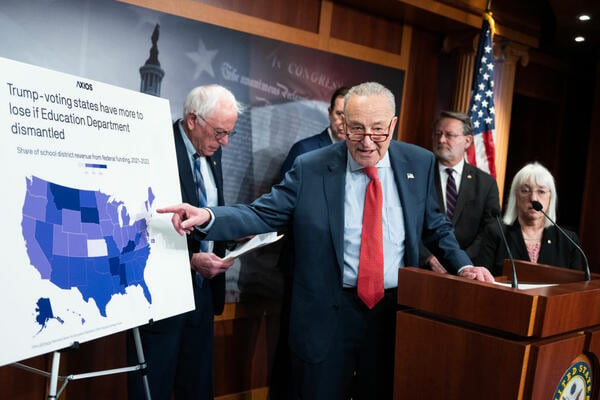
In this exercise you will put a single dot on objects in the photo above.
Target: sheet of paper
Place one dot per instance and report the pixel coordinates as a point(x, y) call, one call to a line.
point(256, 242)
point(525, 286)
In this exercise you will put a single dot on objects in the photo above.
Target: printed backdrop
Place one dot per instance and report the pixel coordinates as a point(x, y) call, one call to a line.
point(286, 88)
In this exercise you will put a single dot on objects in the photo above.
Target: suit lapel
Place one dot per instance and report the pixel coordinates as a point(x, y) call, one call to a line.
point(334, 180)
point(186, 179)
point(466, 190)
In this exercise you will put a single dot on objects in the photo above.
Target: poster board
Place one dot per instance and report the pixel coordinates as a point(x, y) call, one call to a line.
point(84, 255)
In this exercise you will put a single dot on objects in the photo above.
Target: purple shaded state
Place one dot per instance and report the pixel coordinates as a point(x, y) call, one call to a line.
point(35, 207)
point(77, 245)
point(151, 196)
point(60, 243)
point(36, 186)
point(71, 221)
point(93, 231)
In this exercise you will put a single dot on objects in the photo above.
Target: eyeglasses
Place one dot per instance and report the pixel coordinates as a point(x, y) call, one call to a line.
point(447, 135)
point(526, 191)
point(357, 133)
point(219, 133)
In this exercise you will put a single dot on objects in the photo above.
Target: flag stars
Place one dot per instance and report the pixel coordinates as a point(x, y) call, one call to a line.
point(477, 97)
point(489, 93)
point(490, 66)
point(488, 49)
point(486, 76)
point(484, 103)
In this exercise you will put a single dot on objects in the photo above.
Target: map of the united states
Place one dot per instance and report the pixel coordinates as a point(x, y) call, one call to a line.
point(84, 239)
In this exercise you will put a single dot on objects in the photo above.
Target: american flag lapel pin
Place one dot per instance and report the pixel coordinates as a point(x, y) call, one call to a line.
point(409, 175)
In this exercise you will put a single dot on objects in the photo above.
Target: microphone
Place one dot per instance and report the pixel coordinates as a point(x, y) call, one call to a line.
point(515, 283)
point(537, 206)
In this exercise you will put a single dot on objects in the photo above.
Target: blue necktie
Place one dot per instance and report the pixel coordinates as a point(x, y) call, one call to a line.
point(201, 193)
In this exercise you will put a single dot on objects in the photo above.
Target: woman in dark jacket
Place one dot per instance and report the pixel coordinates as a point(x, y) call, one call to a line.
point(530, 235)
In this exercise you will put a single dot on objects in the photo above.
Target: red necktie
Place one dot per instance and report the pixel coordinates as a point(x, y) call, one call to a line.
point(370, 266)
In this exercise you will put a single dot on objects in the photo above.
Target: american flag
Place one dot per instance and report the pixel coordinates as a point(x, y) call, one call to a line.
point(481, 106)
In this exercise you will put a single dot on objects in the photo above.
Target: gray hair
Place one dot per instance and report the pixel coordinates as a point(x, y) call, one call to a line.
point(464, 118)
point(531, 173)
point(371, 89)
point(202, 100)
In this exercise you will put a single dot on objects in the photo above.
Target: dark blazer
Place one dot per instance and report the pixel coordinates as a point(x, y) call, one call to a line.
point(477, 201)
point(189, 194)
point(304, 146)
point(312, 197)
point(554, 250)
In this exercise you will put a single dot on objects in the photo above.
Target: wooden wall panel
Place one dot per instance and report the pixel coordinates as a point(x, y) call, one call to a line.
point(368, 30)
point(421, 89)
point(302, 14)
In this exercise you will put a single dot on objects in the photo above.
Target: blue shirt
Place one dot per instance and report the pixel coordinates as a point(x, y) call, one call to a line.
point(393, 221)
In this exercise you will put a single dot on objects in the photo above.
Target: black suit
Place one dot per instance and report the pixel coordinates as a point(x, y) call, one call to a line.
point(477, 200)
point(179, 349)
point(554, 250)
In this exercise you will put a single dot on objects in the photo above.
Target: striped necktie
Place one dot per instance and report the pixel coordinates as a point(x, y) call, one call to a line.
point(201, 193)
point(451, 194)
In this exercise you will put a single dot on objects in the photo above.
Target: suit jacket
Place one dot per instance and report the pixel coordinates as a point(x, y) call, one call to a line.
point(312, 197)
point(477, 201)
point(555, 248)
point(189, 194)
point(304, 146)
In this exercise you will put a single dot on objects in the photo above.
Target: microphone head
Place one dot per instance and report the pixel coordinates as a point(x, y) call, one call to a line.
point(537, 206)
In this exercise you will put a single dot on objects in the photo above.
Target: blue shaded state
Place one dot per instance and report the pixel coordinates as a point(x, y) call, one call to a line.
point(44, 313)
point(59, 251)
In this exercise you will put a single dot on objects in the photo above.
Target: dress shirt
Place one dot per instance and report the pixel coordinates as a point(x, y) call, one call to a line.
point(458, 170)
point(333, 138)
point(393, 221)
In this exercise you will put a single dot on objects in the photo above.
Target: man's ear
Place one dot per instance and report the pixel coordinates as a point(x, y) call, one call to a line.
point(468, 141)
point(189, 121)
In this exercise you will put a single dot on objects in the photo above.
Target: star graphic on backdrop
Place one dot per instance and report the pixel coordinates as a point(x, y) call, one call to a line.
point(203, 59)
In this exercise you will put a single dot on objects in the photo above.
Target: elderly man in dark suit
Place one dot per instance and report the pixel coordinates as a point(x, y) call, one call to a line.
point(468, 195)
point(179, 350)
point(358, 209)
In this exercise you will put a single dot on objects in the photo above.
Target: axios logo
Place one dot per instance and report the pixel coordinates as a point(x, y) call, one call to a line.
point(576, 383)
point(84, 85)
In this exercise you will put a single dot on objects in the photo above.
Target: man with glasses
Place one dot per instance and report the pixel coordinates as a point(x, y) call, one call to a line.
point(179, 350)
point(358, 210)
point(468, 196)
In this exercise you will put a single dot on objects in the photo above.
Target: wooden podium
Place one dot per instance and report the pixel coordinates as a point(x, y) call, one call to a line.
point(463, 339)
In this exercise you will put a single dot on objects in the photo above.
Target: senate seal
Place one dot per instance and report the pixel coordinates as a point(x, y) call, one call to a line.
point(576, 382)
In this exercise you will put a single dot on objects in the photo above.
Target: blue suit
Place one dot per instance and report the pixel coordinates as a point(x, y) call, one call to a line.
point(179, 349)
point(311, 197)
point(304, 146)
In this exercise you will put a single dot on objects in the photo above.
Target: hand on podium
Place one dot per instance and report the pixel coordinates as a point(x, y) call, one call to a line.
point(477, 273)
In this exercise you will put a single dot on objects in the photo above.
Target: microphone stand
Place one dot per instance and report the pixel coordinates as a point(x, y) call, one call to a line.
point(515, 283)
point(537, 206)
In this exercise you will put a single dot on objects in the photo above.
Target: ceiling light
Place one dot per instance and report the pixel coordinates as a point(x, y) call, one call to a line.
point(579, 39)
point(584, 17)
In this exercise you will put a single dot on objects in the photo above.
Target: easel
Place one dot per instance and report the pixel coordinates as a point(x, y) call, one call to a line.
point(53, 394)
